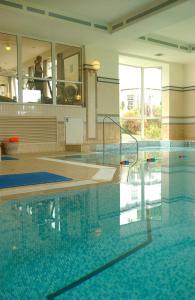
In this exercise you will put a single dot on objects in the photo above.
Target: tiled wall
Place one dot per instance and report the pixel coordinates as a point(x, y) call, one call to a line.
point(28, 111)
point(111, 130)
point(47, 110)
point(107, 105)
point(178, 113)
point(31, 112)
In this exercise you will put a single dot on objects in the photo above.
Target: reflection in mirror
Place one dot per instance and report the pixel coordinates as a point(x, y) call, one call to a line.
point(69, 74)
point(36, 74)
point(8, 67)
point(36, 71)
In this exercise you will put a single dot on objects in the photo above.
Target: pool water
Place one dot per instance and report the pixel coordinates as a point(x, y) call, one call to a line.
point(130, 240)
point(113, 157)
point(110, 158)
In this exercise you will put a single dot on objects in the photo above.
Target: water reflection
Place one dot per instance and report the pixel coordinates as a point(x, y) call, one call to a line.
point(142, 190)
point(162, 186)
point(68, 234)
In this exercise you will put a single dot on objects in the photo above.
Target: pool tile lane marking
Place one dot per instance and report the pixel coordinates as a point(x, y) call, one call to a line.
point(79, 281)
point(104, 173)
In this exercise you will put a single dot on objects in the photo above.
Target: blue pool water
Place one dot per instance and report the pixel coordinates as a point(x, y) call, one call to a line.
point(113, 157)
point(131, 240)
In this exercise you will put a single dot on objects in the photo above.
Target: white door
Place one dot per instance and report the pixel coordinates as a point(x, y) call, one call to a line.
point(74, 131)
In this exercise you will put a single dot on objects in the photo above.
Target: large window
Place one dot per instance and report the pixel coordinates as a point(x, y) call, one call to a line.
point(8, 68)
point(69, 74)
point(140, 101)
point(152, 103)
point(35, 71)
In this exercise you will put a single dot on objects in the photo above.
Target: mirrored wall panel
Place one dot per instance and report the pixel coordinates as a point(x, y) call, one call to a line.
point(39, 72)
point(36, 71)
point(8, 68)
point(69, 74)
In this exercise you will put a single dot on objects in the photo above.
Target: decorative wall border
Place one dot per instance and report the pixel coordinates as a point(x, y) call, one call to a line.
point(178, 169)
point(100, 118)
point(178, 88)
point(178, 120)
point(108, 80)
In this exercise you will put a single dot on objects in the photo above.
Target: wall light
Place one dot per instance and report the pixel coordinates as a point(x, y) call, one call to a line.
point(96, 65)
point(8, 47)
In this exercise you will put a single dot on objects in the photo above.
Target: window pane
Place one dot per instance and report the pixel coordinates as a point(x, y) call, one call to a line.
point(152, 92)
point(133, 125)
point(8, 67)
point(69, 74)
point(152, 129)
point(130, 91)
point(69, 93)
point(36, 71)
point(32, 91)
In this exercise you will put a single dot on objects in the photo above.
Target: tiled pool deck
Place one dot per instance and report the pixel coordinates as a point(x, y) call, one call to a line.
point(82, 174)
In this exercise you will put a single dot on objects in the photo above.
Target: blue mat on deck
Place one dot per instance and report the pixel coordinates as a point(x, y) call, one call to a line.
point(8, 158)
point(13, 180)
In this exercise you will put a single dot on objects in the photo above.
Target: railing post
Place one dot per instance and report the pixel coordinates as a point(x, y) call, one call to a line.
point(121, 128)
point(103, 140)
point(120, 143)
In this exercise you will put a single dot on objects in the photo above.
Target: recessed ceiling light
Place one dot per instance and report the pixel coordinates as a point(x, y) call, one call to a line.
point(159, 54)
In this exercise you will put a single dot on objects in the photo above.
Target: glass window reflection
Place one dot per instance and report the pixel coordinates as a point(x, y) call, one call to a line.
point(8, 68)
point(69, 74)
point(36, 71)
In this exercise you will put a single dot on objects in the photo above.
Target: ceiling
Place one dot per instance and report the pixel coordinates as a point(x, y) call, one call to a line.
point(105, 11)
point(166, 27)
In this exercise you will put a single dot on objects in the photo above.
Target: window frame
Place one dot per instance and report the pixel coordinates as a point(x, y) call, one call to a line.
point(19, 76)
point(142, 118)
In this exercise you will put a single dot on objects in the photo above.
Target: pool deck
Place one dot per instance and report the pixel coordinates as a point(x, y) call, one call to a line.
point(81, 173)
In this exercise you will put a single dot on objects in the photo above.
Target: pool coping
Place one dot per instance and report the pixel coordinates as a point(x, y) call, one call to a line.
point(103, 174)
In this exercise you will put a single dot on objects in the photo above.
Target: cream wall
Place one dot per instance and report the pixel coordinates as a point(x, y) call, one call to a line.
point(189, 74)
point(107, 91)
point(179, 103)
point(107, 98)
point(189, 101)
point(176, 75)
point(172, 102)
point(107, 86)
point(108, 59)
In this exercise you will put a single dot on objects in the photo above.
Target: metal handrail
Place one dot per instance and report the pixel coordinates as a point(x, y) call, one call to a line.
point(121, 129)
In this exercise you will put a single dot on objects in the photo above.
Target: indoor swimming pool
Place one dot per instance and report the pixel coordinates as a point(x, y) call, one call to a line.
point(129, 240)
point(114, 156)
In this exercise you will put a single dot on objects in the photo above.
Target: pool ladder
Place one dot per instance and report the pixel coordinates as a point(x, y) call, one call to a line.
point(121, 130)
